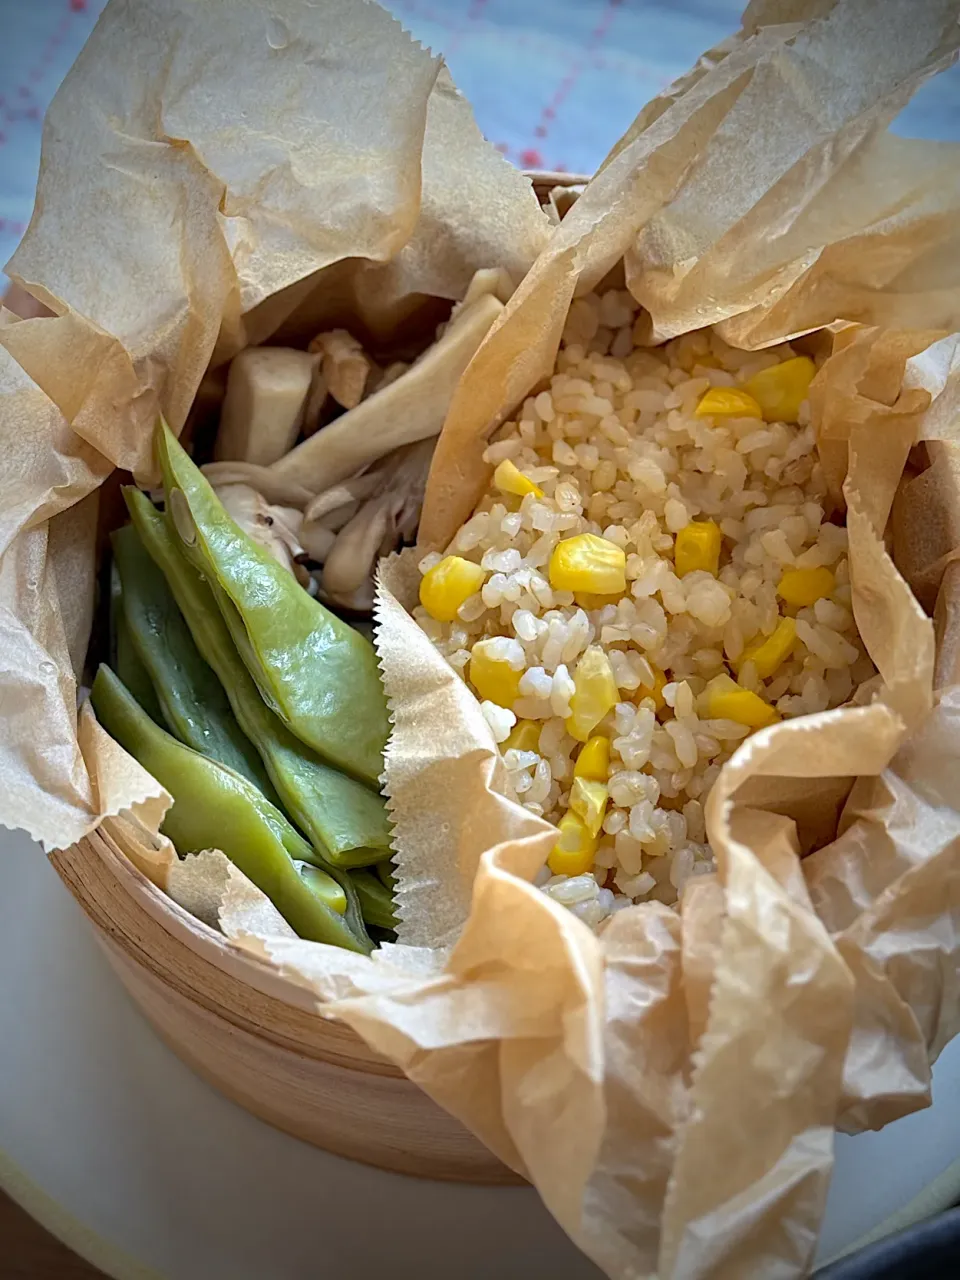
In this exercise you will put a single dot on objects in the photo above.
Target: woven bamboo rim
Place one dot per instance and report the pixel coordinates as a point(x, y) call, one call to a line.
point(137, 919)
point(258, 1039)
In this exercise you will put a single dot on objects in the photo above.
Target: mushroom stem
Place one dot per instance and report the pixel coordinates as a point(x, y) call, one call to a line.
point(346, 366)
point(349, 561)
point(355, 489)
point(284, 493)
point(410, 409)
point(267, 389)
point(317, 541)
point(389, 516)
point(275, 528)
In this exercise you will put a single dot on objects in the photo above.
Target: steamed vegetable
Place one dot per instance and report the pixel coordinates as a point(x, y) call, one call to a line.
point(123, 655)
point(191, 697)
point(215, 808)
point(319, 674)
point(132, 671)
point(345, 366)
point(376, 900)
point(267, 389)
point(346, 821)
point(409, 409)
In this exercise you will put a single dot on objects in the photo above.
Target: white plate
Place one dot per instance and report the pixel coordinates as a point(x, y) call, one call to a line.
point(134, 1162)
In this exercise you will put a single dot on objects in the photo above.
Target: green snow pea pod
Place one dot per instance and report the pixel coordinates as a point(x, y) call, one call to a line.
point(191, 697)
point(215, 808)
point(376, 900)
point(346, 822)
point(318, 673)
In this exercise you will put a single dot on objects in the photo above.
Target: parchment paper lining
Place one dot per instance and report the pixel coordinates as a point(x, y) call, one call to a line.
point(672, 1087)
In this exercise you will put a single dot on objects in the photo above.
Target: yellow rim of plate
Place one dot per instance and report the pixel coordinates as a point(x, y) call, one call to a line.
point(92, 1248)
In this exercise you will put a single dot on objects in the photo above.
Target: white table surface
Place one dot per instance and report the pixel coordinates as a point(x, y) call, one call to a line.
point(142, 1168)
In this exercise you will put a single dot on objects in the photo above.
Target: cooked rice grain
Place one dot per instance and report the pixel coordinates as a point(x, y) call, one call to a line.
point(616, 447)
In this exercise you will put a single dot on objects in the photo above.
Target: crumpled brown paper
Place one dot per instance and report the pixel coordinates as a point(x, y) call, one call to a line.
point(776, 213)
point(671, 1087)
point(206, 171)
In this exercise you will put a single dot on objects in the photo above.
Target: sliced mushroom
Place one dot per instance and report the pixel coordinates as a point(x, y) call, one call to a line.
point(561, 201)
point(350, 560)
point(410, 409)
point(284, 493)
point(376, 380)
point(381, 378)
point(354, 490)
point(317, 541)
point(275, 528)
point(346, 366)
point(316, 401)
point(267, 389)
point(494, 282)
point(489, 280)
point(388, 517)
point(336, 517)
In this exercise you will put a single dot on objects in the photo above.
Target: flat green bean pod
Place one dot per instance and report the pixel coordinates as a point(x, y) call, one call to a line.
point(129, 667)
point(325, 887)
point(376, 900)
point(317, 672)
point(346, 822)
point(191, 697)
point(215, 808)
point(115, 612)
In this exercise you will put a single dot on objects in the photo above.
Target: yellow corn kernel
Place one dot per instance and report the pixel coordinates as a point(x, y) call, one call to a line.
point(698, 547)
point(448, 584)
point(595, 693)
point(524, 736)
point(708, 361)
point(510, 479)
point(587, 600)
point(494, 680)
point(804, 587)
point(593, 762)
point(588, 800)
point(587, 562)
point(726, 700)
point(575, 849)
point(769, 652)
point(727, 402)
point(781, 390)
point(656, 691)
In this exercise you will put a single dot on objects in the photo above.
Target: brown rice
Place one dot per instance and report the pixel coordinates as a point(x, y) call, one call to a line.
point(617, 449)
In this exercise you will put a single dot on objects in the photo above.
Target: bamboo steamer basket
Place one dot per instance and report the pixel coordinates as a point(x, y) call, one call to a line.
point(230, 1018)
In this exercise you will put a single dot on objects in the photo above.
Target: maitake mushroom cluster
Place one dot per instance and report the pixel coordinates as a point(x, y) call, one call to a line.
point(322, 455)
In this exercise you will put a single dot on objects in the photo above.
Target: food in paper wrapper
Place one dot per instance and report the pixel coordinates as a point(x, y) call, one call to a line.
point(734, 673)
point(653, 575)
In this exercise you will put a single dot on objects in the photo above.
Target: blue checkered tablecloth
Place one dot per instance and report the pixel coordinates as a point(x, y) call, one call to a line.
point(553, 82)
